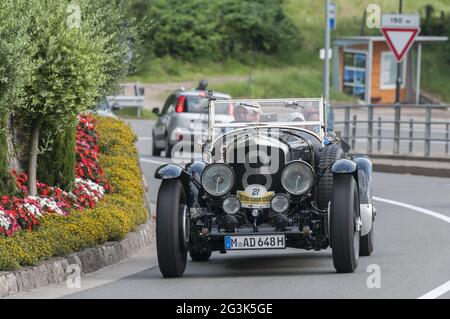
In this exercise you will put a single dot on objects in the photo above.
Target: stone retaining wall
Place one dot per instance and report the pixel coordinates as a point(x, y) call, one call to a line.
point(56, 270)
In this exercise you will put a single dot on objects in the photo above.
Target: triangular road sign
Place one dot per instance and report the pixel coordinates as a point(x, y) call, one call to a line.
point(400, 40)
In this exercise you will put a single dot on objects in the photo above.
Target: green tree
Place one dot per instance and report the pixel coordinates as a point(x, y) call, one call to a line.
point(110, 20)
point(14, 66)
point(62, 58)
point(64, 78)
point(217, 29)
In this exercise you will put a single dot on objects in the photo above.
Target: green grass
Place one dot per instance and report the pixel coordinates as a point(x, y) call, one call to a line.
point(131, 113)
point(436, 71)
point(168, 69)
point(288, 82)
point(300, 73)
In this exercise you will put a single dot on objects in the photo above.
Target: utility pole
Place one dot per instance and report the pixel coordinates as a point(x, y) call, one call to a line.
point(326, 61)
point(399, 66)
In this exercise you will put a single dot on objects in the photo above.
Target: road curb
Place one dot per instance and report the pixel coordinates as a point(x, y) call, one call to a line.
point(56, 270)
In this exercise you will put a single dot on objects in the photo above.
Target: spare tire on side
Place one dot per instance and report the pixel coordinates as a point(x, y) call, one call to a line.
point(328, 155)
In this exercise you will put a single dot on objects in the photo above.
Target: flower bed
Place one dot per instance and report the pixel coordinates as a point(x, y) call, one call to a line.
point(106, 201)
point(25, 211)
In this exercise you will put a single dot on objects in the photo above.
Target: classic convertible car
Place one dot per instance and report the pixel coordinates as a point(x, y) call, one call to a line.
point(273, 178)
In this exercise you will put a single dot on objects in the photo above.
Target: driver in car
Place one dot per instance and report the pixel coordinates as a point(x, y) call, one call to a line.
point(312, 115)
point(246, 114)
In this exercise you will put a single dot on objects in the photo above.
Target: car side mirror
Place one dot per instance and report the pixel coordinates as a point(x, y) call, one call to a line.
point(155, 110)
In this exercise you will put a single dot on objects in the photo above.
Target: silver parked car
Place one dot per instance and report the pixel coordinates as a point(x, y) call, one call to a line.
point(183, 113)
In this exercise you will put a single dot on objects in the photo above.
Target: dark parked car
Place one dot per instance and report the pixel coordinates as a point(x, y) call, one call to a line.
point(266, 185)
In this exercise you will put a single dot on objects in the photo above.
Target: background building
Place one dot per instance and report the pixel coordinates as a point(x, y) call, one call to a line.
point(365, 67)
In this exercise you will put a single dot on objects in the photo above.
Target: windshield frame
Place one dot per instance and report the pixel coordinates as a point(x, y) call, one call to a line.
point(212, 125)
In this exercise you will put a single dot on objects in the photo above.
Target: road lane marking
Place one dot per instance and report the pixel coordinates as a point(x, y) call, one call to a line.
point(439, 291)
point(415, 208)
point(443, 289)
point(146, 160)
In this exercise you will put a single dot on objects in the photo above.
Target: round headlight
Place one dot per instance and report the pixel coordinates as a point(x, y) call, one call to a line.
point(231, 205)
point(217, 179)
point(279, 203)
point(297, 177)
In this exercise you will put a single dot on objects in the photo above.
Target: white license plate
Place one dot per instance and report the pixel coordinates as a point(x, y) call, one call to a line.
point(255, 242)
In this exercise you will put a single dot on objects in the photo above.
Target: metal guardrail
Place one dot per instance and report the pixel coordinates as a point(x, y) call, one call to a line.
point(350, 132)
point(123, 101)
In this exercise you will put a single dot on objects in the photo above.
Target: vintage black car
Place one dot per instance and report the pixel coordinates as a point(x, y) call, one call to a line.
point(273, 178)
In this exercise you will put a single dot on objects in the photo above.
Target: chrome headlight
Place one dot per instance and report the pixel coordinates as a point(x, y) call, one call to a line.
point(217, 179)
point(231, 205)
point(279, 203)
point(297, 177)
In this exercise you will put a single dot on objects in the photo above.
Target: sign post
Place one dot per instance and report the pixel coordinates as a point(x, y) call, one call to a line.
point(400, 31)
point(330, 23)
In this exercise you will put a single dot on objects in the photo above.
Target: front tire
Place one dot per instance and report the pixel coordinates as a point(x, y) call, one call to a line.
point(366, 244)
point(345, 228)
point(170, 239)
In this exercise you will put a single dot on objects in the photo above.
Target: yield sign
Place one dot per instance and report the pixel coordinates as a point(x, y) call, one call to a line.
point(400, 32)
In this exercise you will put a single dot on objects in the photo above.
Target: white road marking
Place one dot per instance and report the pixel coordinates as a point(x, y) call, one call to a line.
point(439, 291)
point(415, 208)
point(146, 160)
point(178, 160)
point(445, 288)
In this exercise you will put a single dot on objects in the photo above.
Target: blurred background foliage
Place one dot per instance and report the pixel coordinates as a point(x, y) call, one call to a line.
point(188, 40)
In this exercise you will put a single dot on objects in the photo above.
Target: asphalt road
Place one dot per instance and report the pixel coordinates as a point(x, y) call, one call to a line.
point(412, 245)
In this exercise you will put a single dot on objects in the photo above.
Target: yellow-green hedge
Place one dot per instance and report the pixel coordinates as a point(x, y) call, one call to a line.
point(118, 213)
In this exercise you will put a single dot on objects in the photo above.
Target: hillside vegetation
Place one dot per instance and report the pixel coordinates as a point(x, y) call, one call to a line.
point(292, 69)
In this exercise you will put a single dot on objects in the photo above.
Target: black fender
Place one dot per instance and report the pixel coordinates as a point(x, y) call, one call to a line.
point(171, 171)
point(344, 166)
point(361, 168)
point(364, 178)
point(365, 192)
point(175, 171)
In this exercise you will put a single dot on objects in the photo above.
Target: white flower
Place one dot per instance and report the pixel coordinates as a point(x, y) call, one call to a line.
point(47, 204)
point(89, 187)
point(33, 209)
point(5, 220)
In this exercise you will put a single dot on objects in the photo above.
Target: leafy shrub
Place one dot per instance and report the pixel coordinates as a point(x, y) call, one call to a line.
point(115, 215)
point(219, 28)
